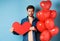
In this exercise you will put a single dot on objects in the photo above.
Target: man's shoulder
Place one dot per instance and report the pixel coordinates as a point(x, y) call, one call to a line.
point(24, 18)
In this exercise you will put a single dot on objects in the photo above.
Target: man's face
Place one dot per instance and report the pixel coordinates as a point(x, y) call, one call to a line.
point(30, 12)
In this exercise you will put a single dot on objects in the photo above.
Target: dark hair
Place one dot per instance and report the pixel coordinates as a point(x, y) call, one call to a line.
point(30, 7)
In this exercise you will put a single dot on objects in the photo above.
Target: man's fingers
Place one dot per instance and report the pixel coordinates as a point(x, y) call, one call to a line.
point(11, 30)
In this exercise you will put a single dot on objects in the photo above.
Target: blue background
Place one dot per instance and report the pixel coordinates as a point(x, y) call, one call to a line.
point(15, 10)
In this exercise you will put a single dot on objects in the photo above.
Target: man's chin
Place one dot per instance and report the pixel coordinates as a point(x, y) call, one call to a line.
point(30, 16)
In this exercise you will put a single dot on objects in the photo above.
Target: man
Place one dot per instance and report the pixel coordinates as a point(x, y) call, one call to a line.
point(31, 35)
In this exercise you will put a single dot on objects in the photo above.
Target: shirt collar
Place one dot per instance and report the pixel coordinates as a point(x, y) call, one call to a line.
point(33, 19)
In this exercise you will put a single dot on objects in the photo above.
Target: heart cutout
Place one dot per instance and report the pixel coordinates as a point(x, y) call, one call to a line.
point(21, 28)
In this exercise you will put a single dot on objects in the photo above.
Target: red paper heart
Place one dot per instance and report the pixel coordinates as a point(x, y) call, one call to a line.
point(21, 29)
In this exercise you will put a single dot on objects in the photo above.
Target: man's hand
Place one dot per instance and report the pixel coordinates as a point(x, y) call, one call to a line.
point(12, 29)
point(32, 28)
